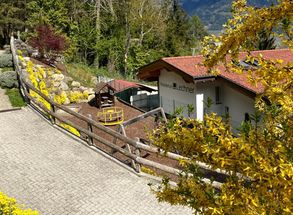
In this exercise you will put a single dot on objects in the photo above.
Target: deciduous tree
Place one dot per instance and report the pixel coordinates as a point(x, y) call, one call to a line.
point(258, 161)
point(12, 18)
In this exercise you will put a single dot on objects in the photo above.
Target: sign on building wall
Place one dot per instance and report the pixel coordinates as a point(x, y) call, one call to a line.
point(178, 87)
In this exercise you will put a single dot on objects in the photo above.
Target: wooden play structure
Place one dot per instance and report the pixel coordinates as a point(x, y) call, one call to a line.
point(111, 116)
point(104, 95)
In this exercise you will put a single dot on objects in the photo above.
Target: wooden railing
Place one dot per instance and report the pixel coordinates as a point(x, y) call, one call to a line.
point(137, 160)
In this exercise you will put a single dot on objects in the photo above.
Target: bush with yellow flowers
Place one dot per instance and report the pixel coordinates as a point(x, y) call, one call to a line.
point(8, 206)
point(75, 96)
point(70, 129)
point(258, 162)
point(37, 78)
point(60, 98)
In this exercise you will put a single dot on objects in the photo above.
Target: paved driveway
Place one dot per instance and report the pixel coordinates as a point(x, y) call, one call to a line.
point(51, 172)
point(4, 100)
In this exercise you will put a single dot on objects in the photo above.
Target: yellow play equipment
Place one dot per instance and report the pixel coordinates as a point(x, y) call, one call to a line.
point(111, 116)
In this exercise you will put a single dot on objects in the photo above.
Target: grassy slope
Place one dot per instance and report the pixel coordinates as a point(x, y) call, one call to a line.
point(83, 73)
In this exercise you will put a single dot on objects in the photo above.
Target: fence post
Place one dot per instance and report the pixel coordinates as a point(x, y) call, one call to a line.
point(53, 119)
point(90, 129)
point(24, 91)
point(128, 148)
point(137, 153)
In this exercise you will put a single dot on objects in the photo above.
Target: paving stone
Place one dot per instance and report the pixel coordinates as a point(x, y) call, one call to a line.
point(4, 100)
point(53, 173)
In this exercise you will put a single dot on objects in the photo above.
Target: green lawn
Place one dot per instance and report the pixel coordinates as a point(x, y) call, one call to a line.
point(15, 97)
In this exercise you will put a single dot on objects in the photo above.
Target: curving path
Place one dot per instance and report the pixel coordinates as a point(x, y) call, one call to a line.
point(53, 173)
point(4, 100)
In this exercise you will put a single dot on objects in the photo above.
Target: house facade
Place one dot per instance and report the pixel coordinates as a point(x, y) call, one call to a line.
point(184, 81)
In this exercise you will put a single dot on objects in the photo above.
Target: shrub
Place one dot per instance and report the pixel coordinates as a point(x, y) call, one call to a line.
point(6, 60)
point(75, 96)
point(60, 99)
point(8, 206)
point(8, 79)
point(49, 43)
point(70, 129)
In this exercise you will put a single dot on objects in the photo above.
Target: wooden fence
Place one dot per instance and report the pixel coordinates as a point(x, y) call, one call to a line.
point(137, 160)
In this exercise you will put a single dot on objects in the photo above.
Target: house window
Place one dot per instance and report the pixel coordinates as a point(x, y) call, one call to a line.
point(174, 85)
point(218, 99)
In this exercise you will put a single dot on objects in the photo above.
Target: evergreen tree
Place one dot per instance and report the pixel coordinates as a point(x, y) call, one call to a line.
point(12, 18)
point(177, 38)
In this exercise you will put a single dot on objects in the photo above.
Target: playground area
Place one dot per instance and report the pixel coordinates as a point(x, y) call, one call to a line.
point(139, 129)
point(117, 114)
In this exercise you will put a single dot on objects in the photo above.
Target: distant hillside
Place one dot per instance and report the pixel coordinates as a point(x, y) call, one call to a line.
point(214, 13)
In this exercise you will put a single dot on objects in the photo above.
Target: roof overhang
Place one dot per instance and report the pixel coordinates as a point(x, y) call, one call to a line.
point(151, 72)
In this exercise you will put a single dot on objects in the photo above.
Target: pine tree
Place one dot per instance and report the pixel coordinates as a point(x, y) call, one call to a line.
point(12, 18)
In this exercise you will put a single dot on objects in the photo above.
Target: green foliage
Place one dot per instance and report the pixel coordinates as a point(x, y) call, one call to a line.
point(15, 97)
point(120, 36)
point(12, 17)
point(8, 79)
point(266, 41)
point(84, 73)
point(6, 60)
point(49, 12)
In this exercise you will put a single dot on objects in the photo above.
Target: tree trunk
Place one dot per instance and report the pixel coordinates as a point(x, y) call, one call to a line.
point(127, 45)
point(111, 8)
point(111, 62)
point(98, 30)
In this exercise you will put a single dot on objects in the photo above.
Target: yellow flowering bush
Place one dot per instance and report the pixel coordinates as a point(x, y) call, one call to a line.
point(41, 99)
point(258, 162)
point(148, 171)
point(60, 99)
point(49, 72)
point(8, 206)
point(70, 129)
point(85, 94)
point(75, 96)
point(20, 58)
point(36, 76)
point(19, 52)
point(41, 73)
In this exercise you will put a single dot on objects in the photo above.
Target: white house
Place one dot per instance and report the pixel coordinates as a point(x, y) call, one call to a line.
point(183, 81)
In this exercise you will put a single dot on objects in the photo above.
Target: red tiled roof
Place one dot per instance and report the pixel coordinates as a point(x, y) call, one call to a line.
point(192, 66)
point(120, 85)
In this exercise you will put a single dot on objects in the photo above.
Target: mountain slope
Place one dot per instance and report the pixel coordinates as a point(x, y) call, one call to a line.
point(214, 13)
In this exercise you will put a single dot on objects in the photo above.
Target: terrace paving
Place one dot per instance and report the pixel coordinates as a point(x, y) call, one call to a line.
point(4, 100)
point(47, 170)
